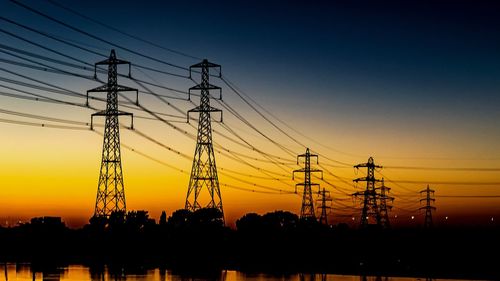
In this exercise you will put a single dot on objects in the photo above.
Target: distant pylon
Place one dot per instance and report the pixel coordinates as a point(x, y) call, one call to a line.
point(428, 207)
point(307, 209)
point(325, 202)
point(384, 206)
point(110, 188)
point(204, 170)
point(370, 196)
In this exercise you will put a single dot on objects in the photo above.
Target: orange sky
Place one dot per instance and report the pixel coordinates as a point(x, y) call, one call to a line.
point(54, 172)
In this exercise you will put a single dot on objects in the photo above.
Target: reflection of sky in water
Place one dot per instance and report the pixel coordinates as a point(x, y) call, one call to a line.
point(81, 273)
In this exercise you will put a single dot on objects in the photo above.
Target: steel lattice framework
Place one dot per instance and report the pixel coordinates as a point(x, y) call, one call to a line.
point(325, 202)
point(384, 206)
point(110, 189)
point(370, 206)
point(428, 207)
point(307, 210)
point(204, 170)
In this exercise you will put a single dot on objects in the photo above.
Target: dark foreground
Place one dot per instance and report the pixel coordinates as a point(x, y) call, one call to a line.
point(276, 242)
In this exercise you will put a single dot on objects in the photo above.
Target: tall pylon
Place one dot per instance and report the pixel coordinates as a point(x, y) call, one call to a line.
point(307, 211)
point(110, 189)
point(204, 171)
point(370, 214)
point(429, 193)
point(325, 205)
point(383, 204)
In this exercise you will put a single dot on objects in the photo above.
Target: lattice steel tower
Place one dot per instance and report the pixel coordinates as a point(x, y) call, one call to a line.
point(307, 209)
point(110, 189)
point(384, 206)
point(204, 170)
point(325, 202)
point(370, 196)
point(428, 206)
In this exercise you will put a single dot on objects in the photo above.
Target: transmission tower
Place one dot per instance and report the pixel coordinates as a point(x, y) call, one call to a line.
point(384, 206)
point(370, 196)
point(110, 189)
point(307, 209)
point(204, 170)
point(429, 193)
point(325, 205)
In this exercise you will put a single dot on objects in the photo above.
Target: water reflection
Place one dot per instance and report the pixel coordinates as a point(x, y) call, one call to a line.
point(22, 272)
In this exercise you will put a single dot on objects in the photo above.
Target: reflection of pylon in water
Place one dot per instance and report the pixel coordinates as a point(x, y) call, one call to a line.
point(309, 277)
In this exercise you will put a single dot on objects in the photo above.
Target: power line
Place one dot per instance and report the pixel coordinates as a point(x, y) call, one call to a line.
point(120, 31)
point(96, 37)
point(445, 182)
point(468, 196)
point(44, 125)
point(63, 91)
point(284, 123)
point(471, 169)
point(60, 71)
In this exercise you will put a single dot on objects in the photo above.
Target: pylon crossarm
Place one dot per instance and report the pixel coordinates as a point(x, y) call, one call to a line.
point(131, 118)
point(297, 171)
point(127, 89)
point(98, 89)
point(209, 87)
point(101, 113)
point(119, 88)
point(107, 88)
point(200, 87)
point(205, 63)
point(199, 109)
point(117, 61)
point(111, 61)
point(104, 113)
point(360, 179)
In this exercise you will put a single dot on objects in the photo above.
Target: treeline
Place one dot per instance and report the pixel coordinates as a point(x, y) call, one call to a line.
point(274, 242)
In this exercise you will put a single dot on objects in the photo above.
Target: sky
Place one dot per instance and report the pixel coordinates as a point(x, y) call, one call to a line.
point(410, 83)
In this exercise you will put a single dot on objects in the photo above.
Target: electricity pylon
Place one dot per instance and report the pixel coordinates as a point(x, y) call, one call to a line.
point(110, 188)
point(428, 207)
point(383, 206)
point(307, 209)
point(204, 171)
point(370, 196)
point(325, 205)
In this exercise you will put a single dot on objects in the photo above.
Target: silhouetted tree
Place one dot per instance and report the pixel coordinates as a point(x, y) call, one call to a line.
point(280, 220)
point(97, 223)
point(116, 221)
point(180, 219)
point(207, 217)
point(163, 218)
point(138, 220)
point(250, 222)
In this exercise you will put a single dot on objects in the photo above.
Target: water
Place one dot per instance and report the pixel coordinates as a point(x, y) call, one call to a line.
point(21, 272)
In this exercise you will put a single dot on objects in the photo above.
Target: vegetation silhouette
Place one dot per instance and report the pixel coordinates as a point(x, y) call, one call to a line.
point(277, 242)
